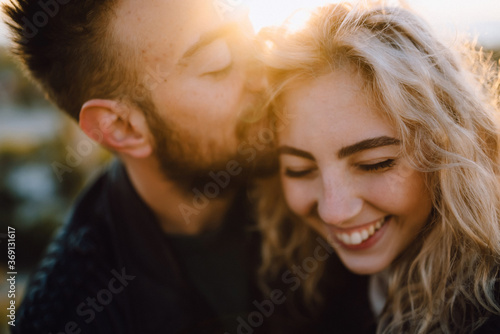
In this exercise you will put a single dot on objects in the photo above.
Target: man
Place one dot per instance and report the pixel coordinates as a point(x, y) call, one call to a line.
point(160, 243)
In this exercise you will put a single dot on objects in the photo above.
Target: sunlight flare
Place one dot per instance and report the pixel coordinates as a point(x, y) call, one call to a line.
point(265, 13)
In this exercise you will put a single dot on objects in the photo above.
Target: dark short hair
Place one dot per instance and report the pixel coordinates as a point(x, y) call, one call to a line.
point(68, 48)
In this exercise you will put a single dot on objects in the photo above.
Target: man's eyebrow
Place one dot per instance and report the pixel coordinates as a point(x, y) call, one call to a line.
point(207, 39)
point(366, 145)
point(294, 151)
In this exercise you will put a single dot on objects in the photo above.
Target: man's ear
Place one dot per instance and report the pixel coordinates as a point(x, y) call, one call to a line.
point(117, 126)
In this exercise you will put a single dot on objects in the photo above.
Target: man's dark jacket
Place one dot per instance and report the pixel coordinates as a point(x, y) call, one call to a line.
point(111, 270)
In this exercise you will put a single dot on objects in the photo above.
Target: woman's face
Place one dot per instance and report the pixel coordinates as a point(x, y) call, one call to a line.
point(342, 172)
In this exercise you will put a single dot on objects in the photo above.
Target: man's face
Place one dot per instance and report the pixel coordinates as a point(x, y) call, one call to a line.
point(194, 62)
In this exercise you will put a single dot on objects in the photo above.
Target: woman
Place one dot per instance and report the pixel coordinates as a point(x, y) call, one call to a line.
point(389, 149)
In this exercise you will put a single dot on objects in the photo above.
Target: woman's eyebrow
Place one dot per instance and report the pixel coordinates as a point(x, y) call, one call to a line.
point(295, 151)
point(367, 145)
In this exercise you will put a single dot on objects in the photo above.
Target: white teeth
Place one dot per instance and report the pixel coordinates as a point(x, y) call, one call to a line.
point(365, 235)
point(371, 230)
point(378, 225)
point(360, 236)
point(356, 238)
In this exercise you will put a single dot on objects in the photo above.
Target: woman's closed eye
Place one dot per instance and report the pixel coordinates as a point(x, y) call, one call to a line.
point(378, 167)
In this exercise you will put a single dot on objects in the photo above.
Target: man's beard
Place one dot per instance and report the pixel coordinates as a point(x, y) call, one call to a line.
point(189, 159)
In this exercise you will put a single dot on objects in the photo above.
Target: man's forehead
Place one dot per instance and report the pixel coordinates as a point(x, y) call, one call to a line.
point(156, 18)
point(163, 29)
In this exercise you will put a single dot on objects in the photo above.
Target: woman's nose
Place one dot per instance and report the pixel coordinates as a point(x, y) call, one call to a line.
point(339, 201)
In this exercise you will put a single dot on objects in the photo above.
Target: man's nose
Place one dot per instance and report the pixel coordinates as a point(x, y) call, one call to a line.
point(339, 201)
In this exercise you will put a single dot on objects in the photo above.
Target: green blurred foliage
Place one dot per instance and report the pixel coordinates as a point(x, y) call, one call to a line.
point(16, 87)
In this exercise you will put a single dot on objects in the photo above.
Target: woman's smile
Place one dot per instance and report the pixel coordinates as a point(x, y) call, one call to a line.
point(360, 237)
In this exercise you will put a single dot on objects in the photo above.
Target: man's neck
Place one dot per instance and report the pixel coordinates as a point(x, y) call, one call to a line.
point(178, 210)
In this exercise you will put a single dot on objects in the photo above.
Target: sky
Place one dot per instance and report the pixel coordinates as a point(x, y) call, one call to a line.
point(448, 17)
point(473, 17)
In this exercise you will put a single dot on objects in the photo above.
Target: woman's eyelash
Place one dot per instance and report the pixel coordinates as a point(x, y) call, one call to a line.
point(378, 166)
point(369, 168)
point(297, 174)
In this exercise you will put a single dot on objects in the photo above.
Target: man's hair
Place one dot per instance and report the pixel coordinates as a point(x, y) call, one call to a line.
point(69, 48)
point(449, 130)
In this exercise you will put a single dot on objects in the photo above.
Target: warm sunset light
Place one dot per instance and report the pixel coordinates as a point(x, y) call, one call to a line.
point(480, 18)
point(267, 13)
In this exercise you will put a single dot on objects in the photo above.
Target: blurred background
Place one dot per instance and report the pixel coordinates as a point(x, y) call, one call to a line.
point(43, 165)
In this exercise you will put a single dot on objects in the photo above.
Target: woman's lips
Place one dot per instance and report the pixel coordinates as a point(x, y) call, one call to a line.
point(358, 236)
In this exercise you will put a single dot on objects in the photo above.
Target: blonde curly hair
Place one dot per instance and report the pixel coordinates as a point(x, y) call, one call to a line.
point(444, 106)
